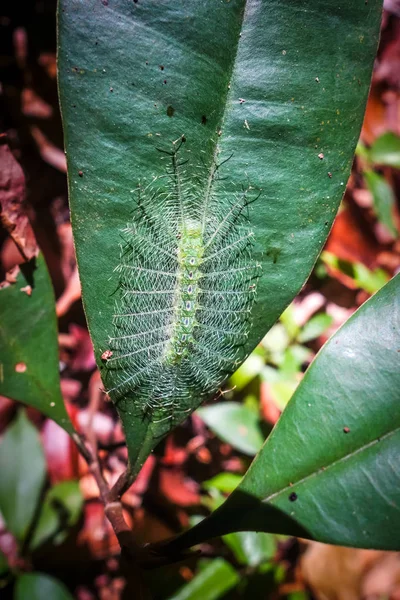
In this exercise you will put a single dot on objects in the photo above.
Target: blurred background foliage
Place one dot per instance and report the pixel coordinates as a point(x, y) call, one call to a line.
point(54, 538)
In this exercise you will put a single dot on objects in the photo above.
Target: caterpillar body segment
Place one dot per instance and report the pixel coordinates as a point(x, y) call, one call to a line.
point(187, 284)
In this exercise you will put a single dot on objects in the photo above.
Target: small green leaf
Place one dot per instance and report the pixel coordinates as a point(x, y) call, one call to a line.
point(223, 482)
point(235, 424)
point(288, 319)
point(386, 150)
point(37, 586)
point(290, 365)
point(282, 391)
point(364, 278)
point(29, 370)
point(251, 548)
point(23, 471)
point(384, 200)
point(329, 470)
point(276, 341)
point(251, 367)
point(299, 595)
point(302, 353)
point(370, 281)
point(362, 151)
point(61, 509)
point(211, 583)
point(315, 327)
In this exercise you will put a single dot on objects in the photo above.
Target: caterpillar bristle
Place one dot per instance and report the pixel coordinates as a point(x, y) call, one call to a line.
point(187, 284)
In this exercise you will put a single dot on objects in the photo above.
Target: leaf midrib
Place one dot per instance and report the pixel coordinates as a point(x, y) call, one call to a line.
point(225, 102)
point(323, 470)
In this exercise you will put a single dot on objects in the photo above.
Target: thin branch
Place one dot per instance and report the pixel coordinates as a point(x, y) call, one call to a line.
point(123, 483)
point(131, 552)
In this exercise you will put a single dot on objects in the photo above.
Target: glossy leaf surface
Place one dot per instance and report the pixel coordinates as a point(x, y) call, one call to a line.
point(29, 364)
point(275, 89)
point(329, 470)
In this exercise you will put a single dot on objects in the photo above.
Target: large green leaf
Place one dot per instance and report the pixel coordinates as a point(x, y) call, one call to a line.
point(329, 470)
point(29, 370)
point(23, 470)
point(276, 89)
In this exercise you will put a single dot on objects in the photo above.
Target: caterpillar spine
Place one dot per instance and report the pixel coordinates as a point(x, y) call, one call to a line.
point(187, 284)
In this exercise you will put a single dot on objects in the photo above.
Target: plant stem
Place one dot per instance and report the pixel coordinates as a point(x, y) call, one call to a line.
point(131, 552)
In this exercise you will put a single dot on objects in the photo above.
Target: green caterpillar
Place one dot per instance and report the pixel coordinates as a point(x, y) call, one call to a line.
point(187, 286)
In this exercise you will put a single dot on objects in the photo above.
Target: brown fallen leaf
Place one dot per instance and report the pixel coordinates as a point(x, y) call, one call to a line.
point(12, 274)
point(49, 152)
point(269, 410)
point(12, 197)
point(34, 106)
point(349, 241)
point(337, 573)
point(71, 294)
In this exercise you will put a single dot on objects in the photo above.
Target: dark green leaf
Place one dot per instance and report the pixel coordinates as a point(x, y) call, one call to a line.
point(270, 88)
point(386, 150)
point(384, 200)
point(329, 470)
point(37, 586)
point(4, 568)
point(61, 509)
point(212, 582)
point(23, 470)
point(235, 424)
point(29, 369)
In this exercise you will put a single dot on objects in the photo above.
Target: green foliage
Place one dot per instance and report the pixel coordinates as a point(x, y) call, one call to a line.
point(29, 369)
point(236, 424)
point(251, 548)
point(37, 586)
point(333, 452)
point(4, 568)
point(214, 579)
point(280, 358)
point(386, 150)
point(32, 521)
point(384, 200)
point(23, 471)
point(223, 482)
point(61, 509)
point(249, 82)
point(364, 278)
point(315, 327)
